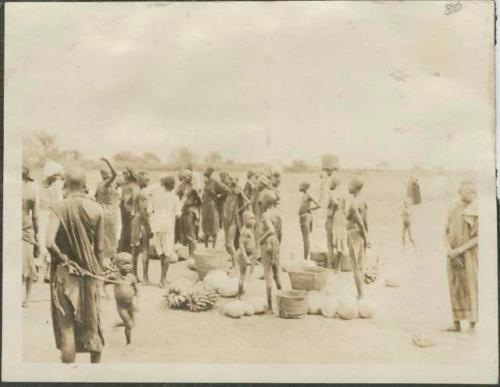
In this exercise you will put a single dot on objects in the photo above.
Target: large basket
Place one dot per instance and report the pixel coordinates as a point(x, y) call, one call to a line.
point(320, 257)
point(308, 278)
point(292, 303)
point(207, 262)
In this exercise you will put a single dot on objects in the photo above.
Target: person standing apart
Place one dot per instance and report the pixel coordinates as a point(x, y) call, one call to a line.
point(357, 217)
point(461, 242)
point(30, 246)
point(108, 197)
point(305, 216)
point(75, 239)
point(140, 228)
point(165, 208)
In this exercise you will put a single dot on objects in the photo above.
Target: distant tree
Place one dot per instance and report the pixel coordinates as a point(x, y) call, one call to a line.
point(383, 165)
point(124, 157)
point(150, 159)
point(38, 148)
point(214, 159)
point(297, 166)
point(182, 157)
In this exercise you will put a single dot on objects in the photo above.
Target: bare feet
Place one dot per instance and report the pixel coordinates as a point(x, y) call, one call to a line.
point(454, 328)
point(25, 304)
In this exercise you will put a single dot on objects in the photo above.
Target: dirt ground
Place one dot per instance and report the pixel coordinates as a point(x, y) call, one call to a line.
point(419, 306)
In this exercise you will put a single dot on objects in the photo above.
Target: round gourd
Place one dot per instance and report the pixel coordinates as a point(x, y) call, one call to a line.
point(249, 309)
point(315, 300)
point(329, 307)
point(392, 281)
point(366, 309)
point(216, 278)
point(228, 288)
point(347, 309)
point(190, 263)
point(234, 309)
point(259, 305)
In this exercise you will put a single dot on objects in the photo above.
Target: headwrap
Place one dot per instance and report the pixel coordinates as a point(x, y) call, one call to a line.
point(304, 186)
point(208, 172)
point(247, 214)
point(334, 180)
point(356, 183)
point(122, 258)
point(26, 174)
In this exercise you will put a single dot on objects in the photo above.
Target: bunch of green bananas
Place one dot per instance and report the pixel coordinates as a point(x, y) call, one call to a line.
point(203, 299)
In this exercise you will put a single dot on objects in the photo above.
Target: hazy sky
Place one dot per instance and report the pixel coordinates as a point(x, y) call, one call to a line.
point(391, 81)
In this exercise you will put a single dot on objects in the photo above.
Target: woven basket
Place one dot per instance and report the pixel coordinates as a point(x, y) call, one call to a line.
point(308, 278)
point(207, 262)
point(319, 257)
point(292, 303)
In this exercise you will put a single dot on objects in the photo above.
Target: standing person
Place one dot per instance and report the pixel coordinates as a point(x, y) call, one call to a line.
point(275, 185)
point(140, 228)
point(165, 208)
point(30, 249)
point(406, 215)
point(336, 224)
point(305, 216)
point(461, 242)
point(246, 249)
point(413, 191)
point(75, 239)
point(358, 233)
point(49, 193)
point(130, 188)
point(234, 204)
point(210, 222)
point(263, 190)
point(108, 197)
point(270, 245)
point(224, 179)
point(250, 188)
point(190, 212)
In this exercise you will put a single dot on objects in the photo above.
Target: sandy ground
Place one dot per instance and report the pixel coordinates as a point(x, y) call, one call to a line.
point(419, 306)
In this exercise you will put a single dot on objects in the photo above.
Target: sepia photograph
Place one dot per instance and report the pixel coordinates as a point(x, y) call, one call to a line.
point(289, 191)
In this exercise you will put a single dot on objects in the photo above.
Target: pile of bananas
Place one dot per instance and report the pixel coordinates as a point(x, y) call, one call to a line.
point(181, 295)
point(202, 299)
point(371, 275)
point(178, 295)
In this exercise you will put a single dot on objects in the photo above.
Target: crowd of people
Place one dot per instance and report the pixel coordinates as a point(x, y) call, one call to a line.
point(85, 239)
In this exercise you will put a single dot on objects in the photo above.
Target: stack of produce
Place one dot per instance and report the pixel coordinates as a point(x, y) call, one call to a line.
point(371, 275)
point(181, 295)
point(223, 284)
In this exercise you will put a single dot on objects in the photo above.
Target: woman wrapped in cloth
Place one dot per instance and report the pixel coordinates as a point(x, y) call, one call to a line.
point(357, 226)
point(461, 242)
point(210, 222)
point(75, 239)
point(190, 211)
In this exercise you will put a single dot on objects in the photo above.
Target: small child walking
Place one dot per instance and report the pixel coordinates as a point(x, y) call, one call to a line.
point(246, 250)
point(125, 284)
